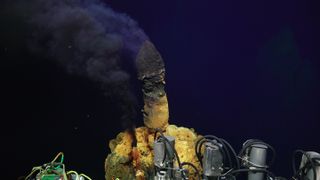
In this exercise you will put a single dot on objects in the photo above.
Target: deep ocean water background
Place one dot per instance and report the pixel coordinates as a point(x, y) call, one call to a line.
point(237, 70)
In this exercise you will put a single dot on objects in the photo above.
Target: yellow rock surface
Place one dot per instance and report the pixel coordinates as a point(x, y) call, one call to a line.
point(156, 112)
point(121, 163)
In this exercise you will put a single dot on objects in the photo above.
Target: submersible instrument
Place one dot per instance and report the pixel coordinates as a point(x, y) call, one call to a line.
point(165, 157)
point(309, 168)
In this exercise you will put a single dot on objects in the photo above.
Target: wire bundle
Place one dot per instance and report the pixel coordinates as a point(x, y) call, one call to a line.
point(53, 167)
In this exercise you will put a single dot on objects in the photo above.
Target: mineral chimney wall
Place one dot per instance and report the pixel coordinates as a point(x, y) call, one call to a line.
point(151, 72)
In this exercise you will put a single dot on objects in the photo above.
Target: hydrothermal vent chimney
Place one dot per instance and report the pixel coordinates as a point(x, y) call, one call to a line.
point(151, 72)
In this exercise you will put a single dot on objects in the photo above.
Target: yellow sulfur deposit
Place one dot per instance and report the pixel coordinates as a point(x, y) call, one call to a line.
point(123, 163)
point(156, 112)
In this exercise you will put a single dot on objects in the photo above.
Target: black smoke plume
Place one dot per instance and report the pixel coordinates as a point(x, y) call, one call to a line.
point(88, 39)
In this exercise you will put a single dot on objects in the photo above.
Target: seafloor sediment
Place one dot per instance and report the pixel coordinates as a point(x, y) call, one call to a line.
point(126, 162)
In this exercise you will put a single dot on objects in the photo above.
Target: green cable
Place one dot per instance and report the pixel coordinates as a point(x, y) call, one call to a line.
point(61, 159)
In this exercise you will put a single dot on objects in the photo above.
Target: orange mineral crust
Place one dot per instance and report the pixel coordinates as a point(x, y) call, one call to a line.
point(125, 162)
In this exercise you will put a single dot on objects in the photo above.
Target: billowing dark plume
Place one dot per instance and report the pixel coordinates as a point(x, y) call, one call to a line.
point(88, 39)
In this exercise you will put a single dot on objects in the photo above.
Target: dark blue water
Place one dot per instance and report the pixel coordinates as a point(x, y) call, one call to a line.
point(237, 70)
